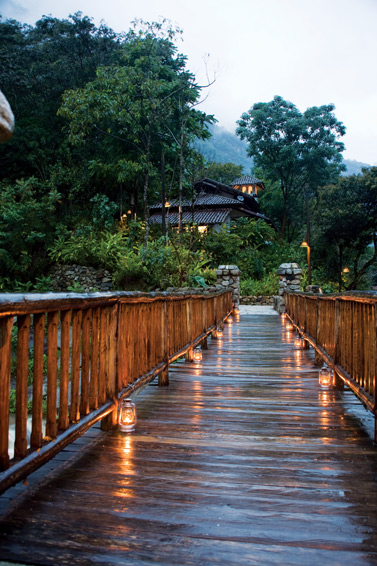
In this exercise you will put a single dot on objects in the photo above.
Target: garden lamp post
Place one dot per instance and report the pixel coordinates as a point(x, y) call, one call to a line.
point(306, 245)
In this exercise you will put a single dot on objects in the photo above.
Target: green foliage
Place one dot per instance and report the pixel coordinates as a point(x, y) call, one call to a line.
point(268, 285)
point(297, 151)
point(222, 172)
point(345, 223)
point(27, 225)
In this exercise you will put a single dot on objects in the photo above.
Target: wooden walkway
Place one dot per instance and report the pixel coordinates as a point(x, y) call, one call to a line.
point(241, 461)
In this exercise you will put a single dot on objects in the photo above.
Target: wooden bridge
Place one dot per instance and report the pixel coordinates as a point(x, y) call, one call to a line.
point(242, 459)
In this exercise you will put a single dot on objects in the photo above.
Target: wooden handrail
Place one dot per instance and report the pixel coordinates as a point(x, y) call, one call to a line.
point(343, 330)
point(73, 356)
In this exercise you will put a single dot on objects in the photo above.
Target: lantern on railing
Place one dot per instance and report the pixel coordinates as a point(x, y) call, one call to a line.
point(289, 325)
point(236, 313)
point(127, 415)
point(325, 377)
point(298, 343)
point(283, 316)
point(197, 355)
point(219, 333)
point(229, 319)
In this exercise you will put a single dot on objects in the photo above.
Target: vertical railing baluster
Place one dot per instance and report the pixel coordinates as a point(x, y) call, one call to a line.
point(37, 409)
point(65, 335)
point(74, 414)
point(23, 324)
point(6, 324)
point(52, 373)
point(94, 362)
point(85, 362)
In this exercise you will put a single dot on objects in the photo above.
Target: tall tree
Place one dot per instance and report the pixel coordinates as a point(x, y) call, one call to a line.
point(135, 109)
point(345, 223)
point(299, 151)
point(37, 64)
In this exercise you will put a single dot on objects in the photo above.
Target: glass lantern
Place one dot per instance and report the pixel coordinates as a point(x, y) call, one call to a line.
point(298, 343)
point(219, 333)
point(127, 415)
point(289, 325)
point(197, 355)
point(325, 377)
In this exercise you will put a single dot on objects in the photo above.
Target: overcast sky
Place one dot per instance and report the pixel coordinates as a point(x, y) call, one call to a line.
point(311, 52)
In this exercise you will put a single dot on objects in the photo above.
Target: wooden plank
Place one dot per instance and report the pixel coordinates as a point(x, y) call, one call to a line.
point(5, 364)
point(20, 446)
point(74, 414)
point(37, 410)
point(85, 363)
point(65, 332)
point(52, 374)
point(94, 363)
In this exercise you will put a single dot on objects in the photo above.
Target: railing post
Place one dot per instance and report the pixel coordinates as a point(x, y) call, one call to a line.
point(338, 382)
point(163, 376)
point(111, 420)
point(190, 352)
point(23, 323)
point(317, 358)
point(5, 360)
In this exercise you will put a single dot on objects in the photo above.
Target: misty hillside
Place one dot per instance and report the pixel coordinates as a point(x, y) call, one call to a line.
point(225, 147)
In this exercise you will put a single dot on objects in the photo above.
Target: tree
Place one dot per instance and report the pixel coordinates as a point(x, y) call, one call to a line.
point(36, 66)
point(222, 172)
point(345, 224)
point(133, 111)
point(299, 151)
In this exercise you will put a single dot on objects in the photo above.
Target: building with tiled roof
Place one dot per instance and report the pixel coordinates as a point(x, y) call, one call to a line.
point(214, 204)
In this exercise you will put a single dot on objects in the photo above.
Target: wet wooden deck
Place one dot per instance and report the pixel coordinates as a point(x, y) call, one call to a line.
point(241, 461)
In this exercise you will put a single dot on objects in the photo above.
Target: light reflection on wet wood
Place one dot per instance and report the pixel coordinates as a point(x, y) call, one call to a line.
point(241, 460)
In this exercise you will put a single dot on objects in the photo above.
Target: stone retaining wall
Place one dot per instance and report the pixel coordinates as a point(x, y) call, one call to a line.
point(289, 280)
point(85, 279)
point(228, 277)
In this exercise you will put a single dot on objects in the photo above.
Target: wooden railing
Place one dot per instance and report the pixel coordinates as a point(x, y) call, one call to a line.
point(343, 331)
point(70, 358)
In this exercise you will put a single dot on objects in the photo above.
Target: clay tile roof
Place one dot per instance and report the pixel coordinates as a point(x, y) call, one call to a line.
point(201, 217)
point(247, 180)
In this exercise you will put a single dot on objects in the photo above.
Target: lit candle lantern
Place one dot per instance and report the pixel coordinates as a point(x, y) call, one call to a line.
point(298, 343)
point(127, 415)
point(289, 325)
point(229, 319)
point(219, 333)
point(197, 355)
point(283, 316)
point(325, 378)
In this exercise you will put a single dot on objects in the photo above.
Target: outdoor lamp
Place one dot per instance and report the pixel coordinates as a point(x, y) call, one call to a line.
point(197, 355)
point(229, 319)
point(219, 333)
point(289, 325)
point(324, 377)
point(298, 343)
point(127, 415)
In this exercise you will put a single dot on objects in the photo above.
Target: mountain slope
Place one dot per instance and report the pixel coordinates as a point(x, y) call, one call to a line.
point(225, 147)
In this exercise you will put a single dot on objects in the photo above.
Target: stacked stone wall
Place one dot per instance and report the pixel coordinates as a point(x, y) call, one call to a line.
point(289, 280)
point(228, 277)
point(83, 278)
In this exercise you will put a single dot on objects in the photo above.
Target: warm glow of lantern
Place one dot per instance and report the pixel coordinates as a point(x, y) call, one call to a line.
point(289, 325)
point(229, 319)
point(127, 415)
point(283, 316)
point(298, 343)
point(325, 378)
point(197, 355)
point(219, 333)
